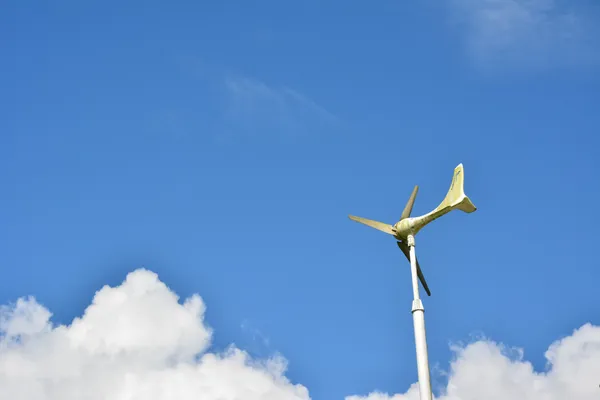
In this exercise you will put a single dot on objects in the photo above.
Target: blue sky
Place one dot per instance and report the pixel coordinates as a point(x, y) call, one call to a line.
point(222, 145)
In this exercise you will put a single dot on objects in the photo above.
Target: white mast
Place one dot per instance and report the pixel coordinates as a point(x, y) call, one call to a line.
point(418, 313)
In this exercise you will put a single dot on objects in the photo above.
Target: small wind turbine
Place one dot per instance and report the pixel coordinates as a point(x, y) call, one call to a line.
point(404, 231)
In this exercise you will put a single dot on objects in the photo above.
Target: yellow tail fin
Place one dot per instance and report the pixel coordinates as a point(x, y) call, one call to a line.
point(456, 197)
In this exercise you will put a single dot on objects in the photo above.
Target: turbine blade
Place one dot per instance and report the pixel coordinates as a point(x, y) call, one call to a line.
point(404, 247)
point(374, 224)
point(409, 205)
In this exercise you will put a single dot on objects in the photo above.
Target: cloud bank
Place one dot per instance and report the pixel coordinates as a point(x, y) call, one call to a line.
point(135, 341)
point(491, 371)
point(139, 341)
point(530, 33)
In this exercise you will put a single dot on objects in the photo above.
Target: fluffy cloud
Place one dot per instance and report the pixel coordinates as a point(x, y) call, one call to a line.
point(491, 371)
point(411, 394)
point(138, 341)
point(135, 341)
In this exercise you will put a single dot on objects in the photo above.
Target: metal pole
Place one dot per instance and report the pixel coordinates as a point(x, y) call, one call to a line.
point(418, 313)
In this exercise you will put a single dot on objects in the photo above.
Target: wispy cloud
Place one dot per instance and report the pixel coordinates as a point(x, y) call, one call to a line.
point(530, 33)
point(255, 107)
point(259, 344)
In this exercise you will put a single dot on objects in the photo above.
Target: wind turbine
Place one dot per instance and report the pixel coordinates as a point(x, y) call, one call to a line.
point(404, 231)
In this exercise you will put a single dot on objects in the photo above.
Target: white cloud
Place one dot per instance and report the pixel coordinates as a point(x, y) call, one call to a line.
point(530, 33)
point(486, 370)
point(253, 106)
point(411, 394)
point(138, 341)
point(135, 341)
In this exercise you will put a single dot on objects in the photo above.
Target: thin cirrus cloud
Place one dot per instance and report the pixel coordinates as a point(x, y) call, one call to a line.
point(255, 108)
point(530, 33)
point(139, 341)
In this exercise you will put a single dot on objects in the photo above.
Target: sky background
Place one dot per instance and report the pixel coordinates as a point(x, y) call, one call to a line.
point(222, 145)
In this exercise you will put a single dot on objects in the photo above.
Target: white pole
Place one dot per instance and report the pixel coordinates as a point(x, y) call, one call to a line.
point(418, 313)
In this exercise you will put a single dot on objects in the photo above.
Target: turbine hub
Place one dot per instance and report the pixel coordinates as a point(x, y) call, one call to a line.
point(404, 227)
